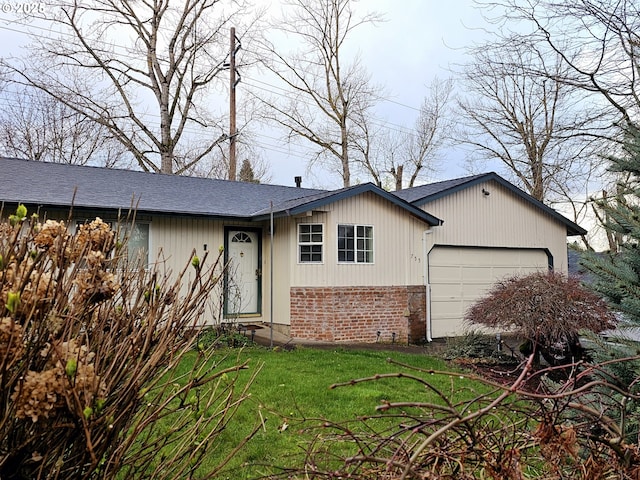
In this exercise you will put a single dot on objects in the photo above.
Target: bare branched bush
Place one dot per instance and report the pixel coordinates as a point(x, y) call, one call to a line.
point(548, 309)
point(499, 432)
point(99, 377)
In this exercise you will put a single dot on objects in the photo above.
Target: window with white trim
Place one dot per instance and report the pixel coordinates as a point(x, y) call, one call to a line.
point(355, 243)
point(137, 239)
point(310, 242)
point(138, 242)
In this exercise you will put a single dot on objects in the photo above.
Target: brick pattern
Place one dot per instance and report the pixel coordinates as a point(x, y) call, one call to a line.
point(417, 320)
point(357, 314)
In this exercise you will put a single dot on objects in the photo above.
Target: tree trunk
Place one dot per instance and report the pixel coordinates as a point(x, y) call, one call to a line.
point(399, 172)
point(346, 171)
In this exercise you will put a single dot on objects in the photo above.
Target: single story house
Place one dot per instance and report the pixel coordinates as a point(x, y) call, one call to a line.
point(357, 264)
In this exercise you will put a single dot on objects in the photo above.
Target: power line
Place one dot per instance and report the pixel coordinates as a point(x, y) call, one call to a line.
point(299, 150)
point(252, 82)
point(375, 121)
point(125, 53)
point(379, 97)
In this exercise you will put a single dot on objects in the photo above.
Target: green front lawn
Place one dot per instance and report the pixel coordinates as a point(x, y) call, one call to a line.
point(292, 393)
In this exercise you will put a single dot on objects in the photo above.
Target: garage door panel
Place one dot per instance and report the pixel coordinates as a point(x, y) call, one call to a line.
point(446, 292)
point(476, 275)
point(460, 276)
point(448, 274)
point(446, 308)
point(499, 273)
point(506, 272)
point(502, 260)
point(474, 291)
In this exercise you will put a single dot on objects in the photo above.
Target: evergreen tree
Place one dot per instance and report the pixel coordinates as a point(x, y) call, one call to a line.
point(617, 274)
point(246, 173)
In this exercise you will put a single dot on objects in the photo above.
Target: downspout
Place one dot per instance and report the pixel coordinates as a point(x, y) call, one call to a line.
point(271, 275)
point(427, 285)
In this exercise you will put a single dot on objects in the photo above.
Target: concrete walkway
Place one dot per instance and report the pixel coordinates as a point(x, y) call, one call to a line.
point(262, 335)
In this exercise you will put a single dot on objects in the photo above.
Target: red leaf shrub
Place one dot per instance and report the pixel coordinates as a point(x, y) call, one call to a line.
point(546, 308)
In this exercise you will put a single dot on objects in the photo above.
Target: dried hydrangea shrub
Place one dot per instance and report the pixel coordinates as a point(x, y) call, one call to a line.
point(11, 341)
point(37, 291)
point(93, 236)
point(69, 376)
point(95, 285)
point(49, 232)
point(87, 358)
point(39, 394)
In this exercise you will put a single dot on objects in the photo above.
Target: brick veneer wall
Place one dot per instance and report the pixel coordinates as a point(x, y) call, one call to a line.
point(356, 314)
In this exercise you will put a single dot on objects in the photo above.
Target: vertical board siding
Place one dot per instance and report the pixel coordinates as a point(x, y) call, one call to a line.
point(397, 243)
point(176, 238)
point(283, 257)
point(500, 219)
point(172, 242)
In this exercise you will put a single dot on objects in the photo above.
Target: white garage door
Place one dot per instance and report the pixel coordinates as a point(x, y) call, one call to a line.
point(461, 275)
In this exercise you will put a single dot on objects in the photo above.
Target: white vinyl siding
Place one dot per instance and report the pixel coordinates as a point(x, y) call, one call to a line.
point(397, 258)
point(174, 239)
point(483, 239)
point(500, 219)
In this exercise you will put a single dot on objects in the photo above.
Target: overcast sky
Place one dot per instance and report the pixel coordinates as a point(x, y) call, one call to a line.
point(419, 40)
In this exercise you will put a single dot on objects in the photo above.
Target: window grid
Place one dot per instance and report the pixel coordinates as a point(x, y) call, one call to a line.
point(355, 243)
point(310, 242)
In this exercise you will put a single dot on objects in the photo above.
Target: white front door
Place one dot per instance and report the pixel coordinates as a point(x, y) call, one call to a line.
point(243, 273)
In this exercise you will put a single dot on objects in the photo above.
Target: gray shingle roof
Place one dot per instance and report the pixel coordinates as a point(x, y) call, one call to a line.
point(319, 200)
point(431, 190)
point(40, 183)
point(424, 194)
point(55, 184)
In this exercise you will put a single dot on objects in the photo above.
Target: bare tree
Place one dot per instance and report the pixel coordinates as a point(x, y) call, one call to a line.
point(535, 126)
point(328, 97)
point(139, 69)
point(598, 40)
point(429, 134)
point(35, 126)
point(216, 165)
point(388, 153)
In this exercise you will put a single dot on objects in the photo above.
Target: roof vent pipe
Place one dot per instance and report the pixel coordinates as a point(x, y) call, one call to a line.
point(298, 181)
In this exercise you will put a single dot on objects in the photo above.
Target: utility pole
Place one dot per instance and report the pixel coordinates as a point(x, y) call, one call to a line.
point(232, 103)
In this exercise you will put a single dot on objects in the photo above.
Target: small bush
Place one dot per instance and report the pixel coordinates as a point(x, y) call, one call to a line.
point(547, 309)
point(472, 344)
point(218, 337)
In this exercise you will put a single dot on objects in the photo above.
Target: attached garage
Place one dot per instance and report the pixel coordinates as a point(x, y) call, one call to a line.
point(491, 230)
point(459, 276)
